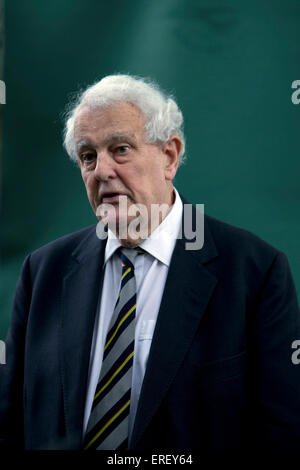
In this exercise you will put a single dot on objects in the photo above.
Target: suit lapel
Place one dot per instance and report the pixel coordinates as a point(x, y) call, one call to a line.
point(81, 293)
point(188, 288)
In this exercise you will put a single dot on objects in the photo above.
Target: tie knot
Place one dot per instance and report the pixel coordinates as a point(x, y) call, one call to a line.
point(128, 255)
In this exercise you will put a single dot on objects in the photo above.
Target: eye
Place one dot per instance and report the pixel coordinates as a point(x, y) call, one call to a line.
point(122, 149)
point(87, 158)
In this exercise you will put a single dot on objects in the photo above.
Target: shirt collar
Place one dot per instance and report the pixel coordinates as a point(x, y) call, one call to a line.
point(161, 241)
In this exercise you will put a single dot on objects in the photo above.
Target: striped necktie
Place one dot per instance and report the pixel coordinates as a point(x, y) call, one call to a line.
point(107, 427)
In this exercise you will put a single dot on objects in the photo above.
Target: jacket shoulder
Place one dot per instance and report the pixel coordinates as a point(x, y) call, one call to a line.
point(235, 240)
point(239, 242)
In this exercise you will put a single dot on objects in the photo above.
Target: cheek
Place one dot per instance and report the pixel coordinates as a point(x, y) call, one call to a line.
point(90, 186)
point(87, 180)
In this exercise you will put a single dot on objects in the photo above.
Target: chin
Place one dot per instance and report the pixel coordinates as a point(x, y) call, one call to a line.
point(117, 222)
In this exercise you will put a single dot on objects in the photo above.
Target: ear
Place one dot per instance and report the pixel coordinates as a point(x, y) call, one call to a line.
point(172, 149)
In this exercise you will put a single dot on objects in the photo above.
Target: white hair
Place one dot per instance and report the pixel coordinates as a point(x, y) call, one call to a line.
point(162, 115)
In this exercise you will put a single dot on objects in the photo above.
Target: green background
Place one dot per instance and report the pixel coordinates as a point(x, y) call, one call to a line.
point(230, 65)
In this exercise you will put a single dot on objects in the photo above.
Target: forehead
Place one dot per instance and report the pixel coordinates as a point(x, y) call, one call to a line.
point(118, 118)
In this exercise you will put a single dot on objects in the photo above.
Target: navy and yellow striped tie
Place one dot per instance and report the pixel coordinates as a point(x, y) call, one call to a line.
point(107, 427)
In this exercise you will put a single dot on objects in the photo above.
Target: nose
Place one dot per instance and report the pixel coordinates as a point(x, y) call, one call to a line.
point(104, 168)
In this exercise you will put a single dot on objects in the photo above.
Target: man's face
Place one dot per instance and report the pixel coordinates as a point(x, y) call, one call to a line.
point(116, 160)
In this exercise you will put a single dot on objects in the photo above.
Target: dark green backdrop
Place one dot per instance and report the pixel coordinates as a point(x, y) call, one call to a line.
point(229, 63)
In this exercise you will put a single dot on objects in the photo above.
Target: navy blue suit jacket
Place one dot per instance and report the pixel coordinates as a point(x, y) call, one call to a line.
point(219, 374)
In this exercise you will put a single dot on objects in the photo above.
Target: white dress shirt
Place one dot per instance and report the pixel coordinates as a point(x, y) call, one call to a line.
point(151, 271)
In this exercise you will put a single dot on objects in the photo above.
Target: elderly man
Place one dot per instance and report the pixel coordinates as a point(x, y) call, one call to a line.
point(120, 336)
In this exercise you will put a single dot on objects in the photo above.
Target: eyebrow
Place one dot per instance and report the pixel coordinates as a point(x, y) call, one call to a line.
point(119, 137)
point(83, 144)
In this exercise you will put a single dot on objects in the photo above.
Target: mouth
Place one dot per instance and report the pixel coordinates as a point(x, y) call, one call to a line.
point(111, 197)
